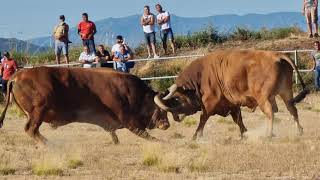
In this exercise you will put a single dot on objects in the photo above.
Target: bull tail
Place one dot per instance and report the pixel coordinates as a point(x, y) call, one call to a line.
point(9, 90)
point(304, 91)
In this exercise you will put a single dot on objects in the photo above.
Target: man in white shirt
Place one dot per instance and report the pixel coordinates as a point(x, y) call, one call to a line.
point(87, 58)
point(163, 19)
point(147, 23)
point(116, 48)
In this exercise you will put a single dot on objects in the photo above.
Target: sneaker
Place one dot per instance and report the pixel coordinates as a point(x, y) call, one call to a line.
point(156, 57)
point(310, 36)
point(149, 57)
point(316, 35)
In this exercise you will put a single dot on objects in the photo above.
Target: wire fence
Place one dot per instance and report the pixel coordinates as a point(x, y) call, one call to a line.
point(188, 57)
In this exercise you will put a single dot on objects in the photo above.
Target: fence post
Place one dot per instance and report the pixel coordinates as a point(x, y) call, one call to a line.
point(296, 63)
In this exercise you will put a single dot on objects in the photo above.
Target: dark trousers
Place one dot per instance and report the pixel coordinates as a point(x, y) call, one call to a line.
point(90, 44)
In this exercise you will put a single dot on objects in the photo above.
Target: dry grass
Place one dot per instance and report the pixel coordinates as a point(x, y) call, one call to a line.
point(82, 151)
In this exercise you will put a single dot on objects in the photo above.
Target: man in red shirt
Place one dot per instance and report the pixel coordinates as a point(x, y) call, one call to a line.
point(87, 30)
point(8, 68)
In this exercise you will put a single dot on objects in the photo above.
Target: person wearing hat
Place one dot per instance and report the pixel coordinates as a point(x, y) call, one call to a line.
point(61, 36)
point(8, 68)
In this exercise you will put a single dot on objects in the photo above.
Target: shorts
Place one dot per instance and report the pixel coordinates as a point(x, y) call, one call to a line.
point(167, 33)
point(61, 47)
point(150, 38)
point(311, 14)
point(4, 86)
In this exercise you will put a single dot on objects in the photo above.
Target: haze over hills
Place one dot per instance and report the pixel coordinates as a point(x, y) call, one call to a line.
point(8, 44)
point(130, 27)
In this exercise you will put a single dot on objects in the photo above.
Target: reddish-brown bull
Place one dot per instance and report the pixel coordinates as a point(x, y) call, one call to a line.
point(223, 81)
point(109, 99)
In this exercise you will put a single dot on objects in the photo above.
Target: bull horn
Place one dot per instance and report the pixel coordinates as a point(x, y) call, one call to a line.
point(172, 90)
point(160, 104)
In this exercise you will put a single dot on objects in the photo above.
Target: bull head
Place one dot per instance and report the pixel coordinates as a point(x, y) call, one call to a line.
point(179, 102)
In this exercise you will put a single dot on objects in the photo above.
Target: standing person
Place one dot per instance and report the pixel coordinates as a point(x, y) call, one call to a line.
point(61, 36)
point(8, 68)
point(121, 58)
point(316, 56)
point(164, 21)
point(310, 10)
point(102, 56)
point(87, 58)
point(147, 22)
point(87, 30)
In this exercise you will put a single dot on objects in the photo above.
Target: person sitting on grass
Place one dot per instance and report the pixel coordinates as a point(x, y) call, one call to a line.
point(87, 58)
point(121, 58)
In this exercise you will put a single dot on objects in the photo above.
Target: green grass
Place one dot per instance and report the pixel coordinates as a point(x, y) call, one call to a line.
point(74, 164)
point(223, 120)
point(177, 136)
point(189, 121)
point(193, 146)
point(46, 171)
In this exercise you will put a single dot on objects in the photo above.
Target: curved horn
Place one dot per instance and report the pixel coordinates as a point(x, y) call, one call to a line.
point(160, 104)
point(172, 90)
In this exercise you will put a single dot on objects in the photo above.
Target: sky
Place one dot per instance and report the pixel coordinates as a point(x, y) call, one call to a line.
point(25, 19)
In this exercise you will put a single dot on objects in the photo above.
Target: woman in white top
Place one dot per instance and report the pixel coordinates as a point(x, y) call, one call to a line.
point(147, 23)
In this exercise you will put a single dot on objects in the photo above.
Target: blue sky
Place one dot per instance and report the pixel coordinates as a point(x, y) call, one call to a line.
point(25, 19)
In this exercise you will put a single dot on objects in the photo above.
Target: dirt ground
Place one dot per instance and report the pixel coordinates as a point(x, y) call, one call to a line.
point(220, 154)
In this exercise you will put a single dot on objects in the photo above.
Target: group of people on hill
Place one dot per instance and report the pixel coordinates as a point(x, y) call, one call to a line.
point(121, 52)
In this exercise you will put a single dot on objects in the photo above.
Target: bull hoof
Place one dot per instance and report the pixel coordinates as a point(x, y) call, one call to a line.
point(1, 124)
point(300, 131)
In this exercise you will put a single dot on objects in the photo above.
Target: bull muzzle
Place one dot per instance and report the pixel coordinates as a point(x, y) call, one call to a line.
point(163, 125)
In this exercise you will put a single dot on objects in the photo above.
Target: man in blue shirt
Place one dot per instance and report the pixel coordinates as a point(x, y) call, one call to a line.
point(121, 57)
point(316, 56)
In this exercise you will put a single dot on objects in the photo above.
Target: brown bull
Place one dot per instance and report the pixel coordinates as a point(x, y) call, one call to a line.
point(223, 81)
point(109, 99)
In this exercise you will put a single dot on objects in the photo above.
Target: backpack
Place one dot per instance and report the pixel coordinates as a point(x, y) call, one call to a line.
point(60, 31)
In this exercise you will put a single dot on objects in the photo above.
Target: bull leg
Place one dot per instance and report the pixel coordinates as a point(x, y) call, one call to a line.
point(237, 118)
point(287, 98)
point(143, 134)
point(32, 129)
point(114, 137)
point(266, 108)
point(199, 132)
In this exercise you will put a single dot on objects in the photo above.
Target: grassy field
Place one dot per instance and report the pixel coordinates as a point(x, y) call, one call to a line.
point(83, 151)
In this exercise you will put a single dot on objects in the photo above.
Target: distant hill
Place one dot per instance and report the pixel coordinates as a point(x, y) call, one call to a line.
point(20, 46)
point(130, 28)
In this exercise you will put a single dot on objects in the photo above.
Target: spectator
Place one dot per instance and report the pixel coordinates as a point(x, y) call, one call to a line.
point(164, 21)
point(316, 56)
point(103, 56)
point(147, 22)
point(87, 58)
point(8, 68)
point(116, 47)
point(310, 10)
point(61, 36)
point(87, 30)
point(121, 57)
